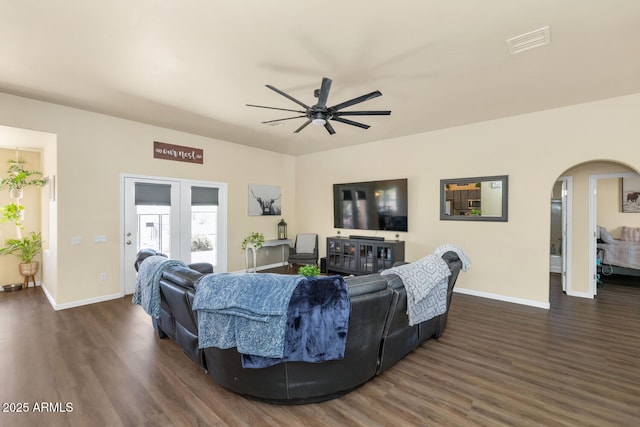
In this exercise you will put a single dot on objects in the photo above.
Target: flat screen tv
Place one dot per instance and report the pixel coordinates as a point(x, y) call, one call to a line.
point(371, 205)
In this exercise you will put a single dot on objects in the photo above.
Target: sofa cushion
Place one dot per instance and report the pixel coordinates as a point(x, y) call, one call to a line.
point(360, 285)
point(183, 276)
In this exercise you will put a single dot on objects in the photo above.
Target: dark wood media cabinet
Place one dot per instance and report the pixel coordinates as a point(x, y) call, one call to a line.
point(362, 256)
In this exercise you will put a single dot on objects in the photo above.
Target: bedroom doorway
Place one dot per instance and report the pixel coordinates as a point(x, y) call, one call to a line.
point(609, 201)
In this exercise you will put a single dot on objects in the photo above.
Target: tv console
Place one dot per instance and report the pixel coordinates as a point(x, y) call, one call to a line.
point(356, 237)
point(362, 255)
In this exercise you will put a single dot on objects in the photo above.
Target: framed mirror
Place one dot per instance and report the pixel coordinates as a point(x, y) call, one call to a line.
point(483, 198)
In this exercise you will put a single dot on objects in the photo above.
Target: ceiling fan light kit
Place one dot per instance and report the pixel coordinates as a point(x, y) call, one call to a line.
point(320, 115)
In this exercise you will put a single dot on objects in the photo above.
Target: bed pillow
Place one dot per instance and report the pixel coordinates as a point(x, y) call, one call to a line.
point(605, 236)
point(630, 234)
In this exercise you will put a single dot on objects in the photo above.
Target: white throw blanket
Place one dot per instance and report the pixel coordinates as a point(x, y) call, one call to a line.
point(466, 263)
point(426, 283)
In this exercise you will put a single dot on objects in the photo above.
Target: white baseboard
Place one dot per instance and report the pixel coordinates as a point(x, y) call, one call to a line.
point(87, 301)
point(48, 295)
point(498, 297)
point(580, 294)
point(79, 303)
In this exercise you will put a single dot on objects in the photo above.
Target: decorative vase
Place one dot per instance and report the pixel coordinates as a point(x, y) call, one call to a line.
point(28, 269)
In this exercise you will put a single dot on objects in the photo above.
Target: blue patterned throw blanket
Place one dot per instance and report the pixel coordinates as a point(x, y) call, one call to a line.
point(317, 324)
point(244, 310)
point(426, 283)
point(147, 291)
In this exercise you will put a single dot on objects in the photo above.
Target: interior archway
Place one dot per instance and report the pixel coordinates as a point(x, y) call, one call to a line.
point(589, 209)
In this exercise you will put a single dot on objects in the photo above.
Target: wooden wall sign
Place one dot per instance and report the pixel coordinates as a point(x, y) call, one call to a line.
point(178, 153)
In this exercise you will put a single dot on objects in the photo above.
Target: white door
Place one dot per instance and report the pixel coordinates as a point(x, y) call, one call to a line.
point(185, 220)
point(563, 245)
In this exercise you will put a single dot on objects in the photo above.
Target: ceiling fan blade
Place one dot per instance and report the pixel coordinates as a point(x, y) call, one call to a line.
point(286, 118)
point(286, 95)
point(275, 108)
point(351, 122)
point(357, 100)
point(324, 93)
point(362, 113)
point(304, 125)
point(329, 128)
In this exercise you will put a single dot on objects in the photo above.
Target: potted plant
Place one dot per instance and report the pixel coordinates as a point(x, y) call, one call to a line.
point(253, 241)
point(309, 270)
point(18, 178)
point(25, 249)
point(12, 212)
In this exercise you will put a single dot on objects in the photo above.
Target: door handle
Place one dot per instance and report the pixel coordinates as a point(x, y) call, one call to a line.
point(128, 242)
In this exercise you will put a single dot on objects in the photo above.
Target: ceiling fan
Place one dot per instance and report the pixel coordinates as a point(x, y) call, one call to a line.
point(320, 114)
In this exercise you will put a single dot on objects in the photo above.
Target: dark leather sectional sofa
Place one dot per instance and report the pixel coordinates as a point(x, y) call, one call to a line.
point(379, 335)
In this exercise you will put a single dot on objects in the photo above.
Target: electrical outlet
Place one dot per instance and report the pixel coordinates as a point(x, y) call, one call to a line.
point(103, 276)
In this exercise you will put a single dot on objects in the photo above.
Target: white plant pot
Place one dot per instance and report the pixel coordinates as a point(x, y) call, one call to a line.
point(16, 193)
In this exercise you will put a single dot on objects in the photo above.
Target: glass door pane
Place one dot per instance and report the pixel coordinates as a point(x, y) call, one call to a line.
point(204, 233)
point(154, 228)
point(366, 258)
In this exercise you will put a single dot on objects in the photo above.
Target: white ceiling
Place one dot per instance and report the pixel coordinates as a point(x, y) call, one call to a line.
point(193, 65)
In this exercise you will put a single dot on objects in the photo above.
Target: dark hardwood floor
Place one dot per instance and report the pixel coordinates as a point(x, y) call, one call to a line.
point(576, 364)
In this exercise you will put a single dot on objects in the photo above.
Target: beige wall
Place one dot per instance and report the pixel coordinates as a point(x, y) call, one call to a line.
point(510, 260)
point(93, 150)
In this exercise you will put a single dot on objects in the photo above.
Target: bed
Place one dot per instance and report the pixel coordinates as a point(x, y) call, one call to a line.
point(620, 256)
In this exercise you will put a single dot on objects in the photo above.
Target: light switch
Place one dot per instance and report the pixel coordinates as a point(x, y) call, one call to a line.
point(100, 239)
point(76, 240)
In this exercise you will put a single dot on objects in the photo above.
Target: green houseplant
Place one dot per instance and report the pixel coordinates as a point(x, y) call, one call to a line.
point(19, 177)
point(309, 270)
point(12, 212)
point(26, 249)
point(254, 240)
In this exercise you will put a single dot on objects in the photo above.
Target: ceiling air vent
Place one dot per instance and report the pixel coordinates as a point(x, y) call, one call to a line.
point(530, 40)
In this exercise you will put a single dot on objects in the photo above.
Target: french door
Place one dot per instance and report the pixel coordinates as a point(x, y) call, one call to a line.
point(185, 220)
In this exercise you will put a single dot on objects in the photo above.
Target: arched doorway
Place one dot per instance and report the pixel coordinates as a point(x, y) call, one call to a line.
point(596, 200)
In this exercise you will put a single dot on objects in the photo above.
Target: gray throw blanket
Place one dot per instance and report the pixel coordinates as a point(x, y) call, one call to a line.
point(317, 324)
point(147, 291)
point(426, 283)
point(244, 310)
